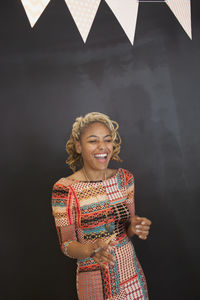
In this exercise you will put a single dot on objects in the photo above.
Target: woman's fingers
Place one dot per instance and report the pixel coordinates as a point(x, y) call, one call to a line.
point(105, 256)
point(103, 261)
point(105, 245)
point(139, 229)
point(102, 256)
point(144, 221)
point(142, 227)
point(100, 262)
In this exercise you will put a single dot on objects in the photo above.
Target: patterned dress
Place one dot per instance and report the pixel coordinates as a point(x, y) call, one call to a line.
point(81, 210)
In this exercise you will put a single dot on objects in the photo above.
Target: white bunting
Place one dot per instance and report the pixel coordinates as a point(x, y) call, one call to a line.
point(83, 13)
point(182, 11)
point(126, 12)
point(34, 9)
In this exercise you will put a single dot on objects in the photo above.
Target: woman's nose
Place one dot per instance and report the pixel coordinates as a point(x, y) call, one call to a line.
point(101, 145)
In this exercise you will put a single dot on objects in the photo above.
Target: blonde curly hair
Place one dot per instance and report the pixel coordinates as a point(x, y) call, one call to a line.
point(75, 159)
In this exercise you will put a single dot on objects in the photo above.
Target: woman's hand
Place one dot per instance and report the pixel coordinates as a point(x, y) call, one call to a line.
point(102, 254)
point(139, 226)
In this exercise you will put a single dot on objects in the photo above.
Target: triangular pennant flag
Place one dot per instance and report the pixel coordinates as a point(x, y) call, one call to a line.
point(182, 11)
point(83, 13)
point(126, 12)
point(34, 9)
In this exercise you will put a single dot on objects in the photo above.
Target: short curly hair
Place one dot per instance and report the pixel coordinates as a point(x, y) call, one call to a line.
point(75, 159)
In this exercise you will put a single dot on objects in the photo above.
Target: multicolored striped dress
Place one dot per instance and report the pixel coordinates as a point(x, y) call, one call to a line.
point(81, 210)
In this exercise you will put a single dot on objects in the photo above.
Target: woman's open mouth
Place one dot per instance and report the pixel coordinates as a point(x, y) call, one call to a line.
point(102, 157)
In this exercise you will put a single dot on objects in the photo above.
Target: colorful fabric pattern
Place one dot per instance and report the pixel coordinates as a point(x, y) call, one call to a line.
point(81, 210)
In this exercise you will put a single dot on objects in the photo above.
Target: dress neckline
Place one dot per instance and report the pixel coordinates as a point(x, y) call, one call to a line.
point(96, 181)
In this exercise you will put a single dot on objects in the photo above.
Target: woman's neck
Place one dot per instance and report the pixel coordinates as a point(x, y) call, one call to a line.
point(94, 175)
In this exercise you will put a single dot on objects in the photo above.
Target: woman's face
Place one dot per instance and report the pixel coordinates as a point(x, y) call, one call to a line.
point(95, 146)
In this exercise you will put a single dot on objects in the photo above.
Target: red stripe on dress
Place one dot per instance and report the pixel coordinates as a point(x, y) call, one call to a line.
point(68, 207)
point(83, 268)
point(130, 279)
point(77, 206)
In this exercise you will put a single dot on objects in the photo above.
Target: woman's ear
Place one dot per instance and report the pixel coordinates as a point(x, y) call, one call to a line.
point(78, 147)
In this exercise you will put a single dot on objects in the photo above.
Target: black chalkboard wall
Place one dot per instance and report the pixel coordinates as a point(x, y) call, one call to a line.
point(48, 76)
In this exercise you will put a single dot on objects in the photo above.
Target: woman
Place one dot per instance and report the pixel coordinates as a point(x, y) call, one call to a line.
point(95, 216)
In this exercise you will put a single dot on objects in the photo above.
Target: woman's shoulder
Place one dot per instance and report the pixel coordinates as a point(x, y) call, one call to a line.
point(78, 175)
point(67, 181)
point(64, 181)
point(129, 177)
point(127, 172)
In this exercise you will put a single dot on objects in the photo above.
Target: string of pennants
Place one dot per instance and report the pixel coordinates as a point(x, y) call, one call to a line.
point(126, 12)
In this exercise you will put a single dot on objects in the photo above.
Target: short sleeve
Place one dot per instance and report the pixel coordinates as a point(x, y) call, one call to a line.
point(63, 210)
point(130, 192)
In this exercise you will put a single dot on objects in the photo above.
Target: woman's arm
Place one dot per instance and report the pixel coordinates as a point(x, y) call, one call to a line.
point(78, 250)
point(139, 226)
point(64, 215)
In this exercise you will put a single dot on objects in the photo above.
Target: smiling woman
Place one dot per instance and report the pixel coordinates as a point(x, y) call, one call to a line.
point(107, 132)
point(96, 148)
point(95, 214)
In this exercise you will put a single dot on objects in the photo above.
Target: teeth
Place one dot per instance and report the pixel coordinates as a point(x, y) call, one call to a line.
point(101, 155)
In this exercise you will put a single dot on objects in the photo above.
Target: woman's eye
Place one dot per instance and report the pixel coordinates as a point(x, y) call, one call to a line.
point(106, 141)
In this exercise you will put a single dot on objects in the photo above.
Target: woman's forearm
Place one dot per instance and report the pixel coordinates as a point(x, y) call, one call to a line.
point(78, 250)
